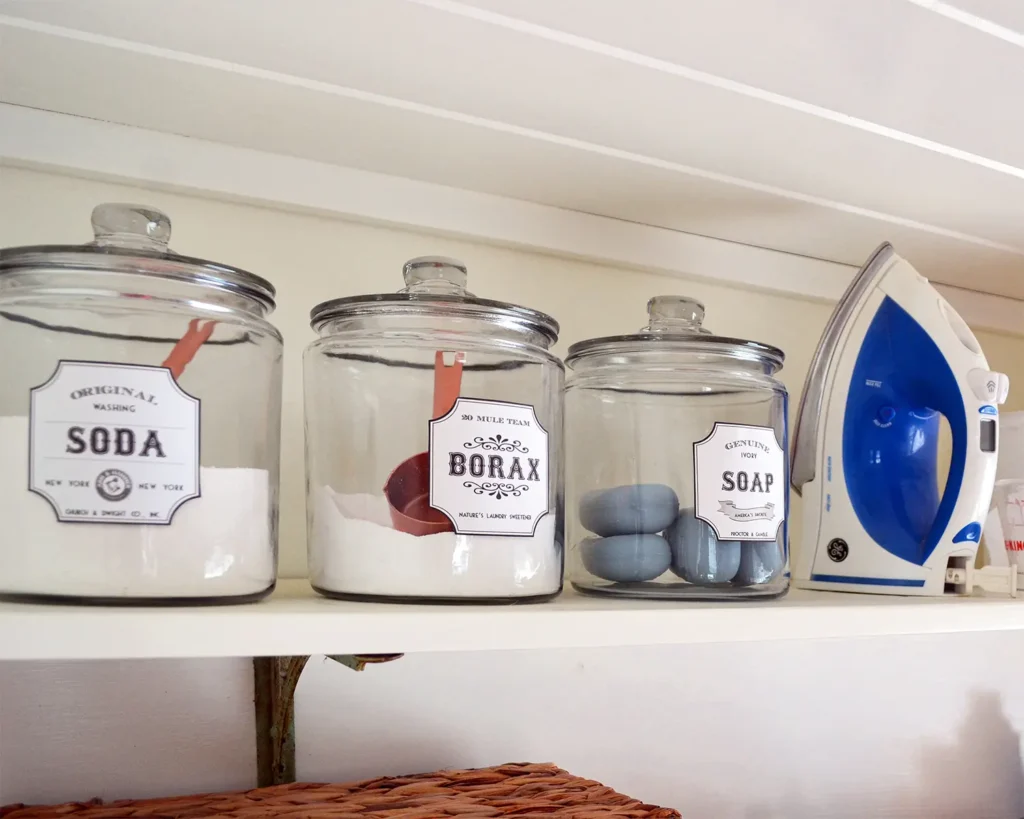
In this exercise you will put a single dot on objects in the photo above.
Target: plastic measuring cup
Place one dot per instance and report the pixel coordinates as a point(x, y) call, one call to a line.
point(408, 487)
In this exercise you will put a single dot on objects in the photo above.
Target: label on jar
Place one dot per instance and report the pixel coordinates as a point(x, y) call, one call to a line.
point(739, 478)
point(113, 443)
point(489, 467)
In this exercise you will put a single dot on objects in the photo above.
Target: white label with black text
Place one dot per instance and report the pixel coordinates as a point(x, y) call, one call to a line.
point(740, 482)
point(489, 467)
point(113, 443)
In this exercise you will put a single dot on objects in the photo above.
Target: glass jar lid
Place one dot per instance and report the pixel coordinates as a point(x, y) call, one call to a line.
point(133, 239)
point(435, 286)
point(676, 325)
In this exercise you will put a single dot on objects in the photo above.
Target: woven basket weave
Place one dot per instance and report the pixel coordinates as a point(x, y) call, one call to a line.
point(504, 790)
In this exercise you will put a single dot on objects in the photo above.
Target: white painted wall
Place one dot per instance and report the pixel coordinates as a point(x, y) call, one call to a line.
point(900, 727)
point(914, 727)
point(75, 730)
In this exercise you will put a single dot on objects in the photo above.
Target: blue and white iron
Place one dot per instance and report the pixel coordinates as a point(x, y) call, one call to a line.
point(894, 357)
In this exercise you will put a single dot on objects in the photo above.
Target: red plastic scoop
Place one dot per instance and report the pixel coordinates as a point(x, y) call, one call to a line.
point(447, 382)
point(408, 487)
point(187, 347)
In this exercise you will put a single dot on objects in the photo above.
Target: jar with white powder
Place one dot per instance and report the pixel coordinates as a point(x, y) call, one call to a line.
point(433, 445)
point(140, 401)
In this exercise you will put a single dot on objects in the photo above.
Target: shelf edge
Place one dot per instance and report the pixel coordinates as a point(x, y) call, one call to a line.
point(272, 628)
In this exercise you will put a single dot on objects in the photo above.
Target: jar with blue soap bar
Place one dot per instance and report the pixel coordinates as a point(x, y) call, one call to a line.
point(676, 472)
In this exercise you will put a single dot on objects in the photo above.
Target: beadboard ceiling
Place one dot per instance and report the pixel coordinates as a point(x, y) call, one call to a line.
point(816, 127)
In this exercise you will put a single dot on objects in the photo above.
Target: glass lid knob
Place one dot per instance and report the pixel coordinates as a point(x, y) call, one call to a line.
point(131, 226)
point(436, 275)
point(675, 314)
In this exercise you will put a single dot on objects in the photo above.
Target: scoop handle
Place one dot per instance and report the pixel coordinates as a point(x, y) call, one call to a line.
point(187, 347)
point(447, 382)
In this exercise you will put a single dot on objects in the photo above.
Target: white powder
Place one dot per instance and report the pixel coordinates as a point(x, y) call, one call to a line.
point(354, 549)
point(218, 545)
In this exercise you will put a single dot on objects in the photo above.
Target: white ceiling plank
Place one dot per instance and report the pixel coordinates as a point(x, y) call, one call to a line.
point(890, 62)
point(336, 125)
point(109, 151)
point(1002, 19)
point(105, 150)
point(632, 123)
point(455, 67)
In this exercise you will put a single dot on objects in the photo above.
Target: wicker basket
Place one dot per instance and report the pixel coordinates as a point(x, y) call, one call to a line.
point(504, 790)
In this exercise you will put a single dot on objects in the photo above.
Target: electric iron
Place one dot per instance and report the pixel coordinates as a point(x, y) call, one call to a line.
point(893, 358)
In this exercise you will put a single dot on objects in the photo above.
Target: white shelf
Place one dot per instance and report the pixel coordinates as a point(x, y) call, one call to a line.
point(297, 621)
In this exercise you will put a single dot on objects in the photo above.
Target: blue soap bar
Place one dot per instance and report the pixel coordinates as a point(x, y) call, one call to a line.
point(629, 510)
point(760, 563)
point(626, 558)
point(697, 555)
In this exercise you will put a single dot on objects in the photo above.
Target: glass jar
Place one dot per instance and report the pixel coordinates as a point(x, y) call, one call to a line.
point(677, 481)
point(433, 445)
point(140, 406)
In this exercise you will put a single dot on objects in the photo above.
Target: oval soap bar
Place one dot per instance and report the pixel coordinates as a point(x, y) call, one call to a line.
point(760, 562)
point(643, 508)
point(697, 555)
point(626, 558)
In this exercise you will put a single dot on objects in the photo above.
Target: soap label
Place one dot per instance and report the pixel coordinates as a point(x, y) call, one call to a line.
point(113, 443)
point(489, 467)
point(739, 476)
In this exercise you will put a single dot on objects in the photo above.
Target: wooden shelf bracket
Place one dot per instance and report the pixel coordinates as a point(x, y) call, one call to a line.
point(275, 680)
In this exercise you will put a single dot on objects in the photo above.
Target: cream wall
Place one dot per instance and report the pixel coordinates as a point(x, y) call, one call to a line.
point(310, 259)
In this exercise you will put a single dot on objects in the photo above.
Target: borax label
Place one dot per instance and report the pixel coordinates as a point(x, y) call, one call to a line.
point(489, 467)
point(113, 443)
point(740, 482)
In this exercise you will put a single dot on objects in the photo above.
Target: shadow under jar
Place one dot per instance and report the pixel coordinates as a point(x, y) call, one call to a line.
point(677, 480)
point(433, 445)
point(140, 404)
